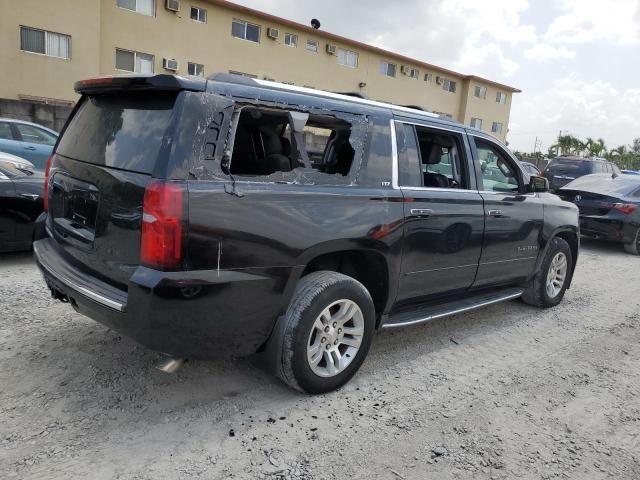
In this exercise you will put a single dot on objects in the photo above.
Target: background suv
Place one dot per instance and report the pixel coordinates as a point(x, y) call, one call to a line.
point(563, 170)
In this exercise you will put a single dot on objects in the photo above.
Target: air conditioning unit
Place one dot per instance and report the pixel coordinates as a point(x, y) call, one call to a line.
point(170, 64)
point(331, 49)
point(273, 33)
point(404, 70)
point(173, 5)
point(439, 80)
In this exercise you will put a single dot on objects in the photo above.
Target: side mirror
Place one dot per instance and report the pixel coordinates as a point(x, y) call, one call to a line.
point(538, 184)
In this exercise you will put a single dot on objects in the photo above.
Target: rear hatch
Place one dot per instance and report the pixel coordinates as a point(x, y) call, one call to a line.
point(108, 152)
point(562, 171)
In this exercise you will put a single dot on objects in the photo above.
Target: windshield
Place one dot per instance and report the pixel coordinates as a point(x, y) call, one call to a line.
point(123, 132)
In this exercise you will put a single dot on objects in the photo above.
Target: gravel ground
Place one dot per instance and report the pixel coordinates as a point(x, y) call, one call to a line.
point(508, 391)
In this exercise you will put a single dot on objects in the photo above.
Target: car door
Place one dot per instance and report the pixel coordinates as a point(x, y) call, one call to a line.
point(8, 140)
point(443, 212)
point(513, 217)
point(37, 144)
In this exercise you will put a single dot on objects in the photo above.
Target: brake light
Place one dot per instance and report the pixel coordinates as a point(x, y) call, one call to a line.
point(624, 208)
point(47, 168)
point(162, 225)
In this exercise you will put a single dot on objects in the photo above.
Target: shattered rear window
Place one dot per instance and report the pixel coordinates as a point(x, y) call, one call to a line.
point(266, 149)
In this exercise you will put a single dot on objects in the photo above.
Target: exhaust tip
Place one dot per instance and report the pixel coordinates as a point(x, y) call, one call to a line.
point(169, 364)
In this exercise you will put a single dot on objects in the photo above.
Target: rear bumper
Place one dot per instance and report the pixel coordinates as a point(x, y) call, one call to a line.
point(603, 228)
point(197, 314)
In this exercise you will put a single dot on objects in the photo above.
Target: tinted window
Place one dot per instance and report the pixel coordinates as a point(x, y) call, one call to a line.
point(5, 131)
point(498, 173)
point(35, 135)
point(408, 159)
point(123, 132)
point(562, 166)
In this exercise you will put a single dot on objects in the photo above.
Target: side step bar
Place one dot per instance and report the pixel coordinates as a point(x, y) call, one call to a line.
point(426, 314)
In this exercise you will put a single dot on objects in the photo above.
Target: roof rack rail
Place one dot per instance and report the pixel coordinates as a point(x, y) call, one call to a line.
point(414, 107)
point(353, 94)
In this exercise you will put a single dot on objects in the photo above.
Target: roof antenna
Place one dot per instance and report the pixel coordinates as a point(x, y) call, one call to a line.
point(315, 23)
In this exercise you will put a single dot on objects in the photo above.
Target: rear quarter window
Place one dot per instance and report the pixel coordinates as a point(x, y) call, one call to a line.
point(123, 131)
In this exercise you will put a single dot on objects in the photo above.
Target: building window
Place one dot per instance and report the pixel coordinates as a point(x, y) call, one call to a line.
point(134, 61)
point(347, 58)
point(245, 30)
point(291, 39)
point(412, 72)
point(46, 43)
point(145, 7)
point(199, 14)
point(428, 77)
point(496, 127)
point(476, 122)
point(448, 85)
point(480, 92)
point(195, 69)
point(501, 97)
point(242, 74)
point(312, 46)
point(388, 69)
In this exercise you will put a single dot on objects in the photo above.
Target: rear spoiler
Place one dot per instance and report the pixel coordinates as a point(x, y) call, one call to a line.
point(118, 83)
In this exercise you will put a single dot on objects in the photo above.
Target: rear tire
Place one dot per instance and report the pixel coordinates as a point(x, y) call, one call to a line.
point(328, 331)
point(634, 247)
point(546, 289)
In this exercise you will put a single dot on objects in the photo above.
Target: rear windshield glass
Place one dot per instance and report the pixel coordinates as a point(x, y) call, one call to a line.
point(123, 131)
point(579, 167)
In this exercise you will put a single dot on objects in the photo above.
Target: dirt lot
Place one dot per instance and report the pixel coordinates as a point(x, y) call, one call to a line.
point(504, 392)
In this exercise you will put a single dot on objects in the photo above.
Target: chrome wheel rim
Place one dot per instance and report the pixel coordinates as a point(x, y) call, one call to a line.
point(335, 338)
point(556, 275)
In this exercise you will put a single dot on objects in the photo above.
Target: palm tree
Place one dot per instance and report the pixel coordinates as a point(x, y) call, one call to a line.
point(603, 148)
point(564, 145)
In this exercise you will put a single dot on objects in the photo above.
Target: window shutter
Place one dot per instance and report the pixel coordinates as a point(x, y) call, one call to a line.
point(32, 40)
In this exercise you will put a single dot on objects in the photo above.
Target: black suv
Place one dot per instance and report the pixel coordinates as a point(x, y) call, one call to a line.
point(563, 170)
point(228, 216)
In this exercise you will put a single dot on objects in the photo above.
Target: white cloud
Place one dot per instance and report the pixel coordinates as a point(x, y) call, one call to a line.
point(589, 21)
point(542, 52)
point(588, 109)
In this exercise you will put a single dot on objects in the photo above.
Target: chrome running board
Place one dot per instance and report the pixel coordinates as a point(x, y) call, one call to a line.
point(433, 312)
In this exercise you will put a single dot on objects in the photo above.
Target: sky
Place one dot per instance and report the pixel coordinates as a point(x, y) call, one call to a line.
point(576, 61)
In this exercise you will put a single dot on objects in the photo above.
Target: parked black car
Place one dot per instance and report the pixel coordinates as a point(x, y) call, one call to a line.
point(227, 216)
point(21, 202)
point(563, 170)
point(609, 207)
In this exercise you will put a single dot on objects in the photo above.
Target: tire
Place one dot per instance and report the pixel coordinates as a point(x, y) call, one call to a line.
point(537, 292)
point(634, 247)
point(325, 297)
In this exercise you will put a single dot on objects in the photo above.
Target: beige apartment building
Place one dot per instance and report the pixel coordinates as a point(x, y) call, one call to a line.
point(46, 45)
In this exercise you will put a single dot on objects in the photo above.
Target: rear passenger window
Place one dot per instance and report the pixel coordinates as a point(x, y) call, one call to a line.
point(499, 174)
point(5, 131)
point(429, 158)
point(266, 147)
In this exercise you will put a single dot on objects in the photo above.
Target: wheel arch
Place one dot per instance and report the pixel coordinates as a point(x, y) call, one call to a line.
point(570, 235)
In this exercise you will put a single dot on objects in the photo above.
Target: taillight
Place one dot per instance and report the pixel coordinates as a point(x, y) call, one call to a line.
point(162, 224)
point(624, 208)
point(47, 168)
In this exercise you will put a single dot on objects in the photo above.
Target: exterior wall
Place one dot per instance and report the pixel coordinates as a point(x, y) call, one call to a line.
point(98, 27)
point(32, 74)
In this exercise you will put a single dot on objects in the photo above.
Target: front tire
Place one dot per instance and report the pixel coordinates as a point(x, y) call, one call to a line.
point(548, 286)
point(328, 331)
point(634, 247)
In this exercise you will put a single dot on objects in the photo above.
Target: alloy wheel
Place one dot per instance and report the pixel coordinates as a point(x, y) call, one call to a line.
point(335, 338)
point(556, 275)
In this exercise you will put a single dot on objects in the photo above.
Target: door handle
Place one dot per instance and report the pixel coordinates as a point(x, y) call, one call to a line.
point(421, 212)
point(30, 148)
point(30, 196)
point(496, 213)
